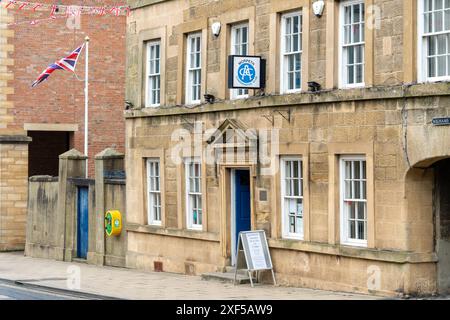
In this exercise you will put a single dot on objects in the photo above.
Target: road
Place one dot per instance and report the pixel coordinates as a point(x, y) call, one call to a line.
point(11, 291)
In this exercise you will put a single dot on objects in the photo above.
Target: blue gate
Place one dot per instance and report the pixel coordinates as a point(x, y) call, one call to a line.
point(82, 222)
point(242, 205)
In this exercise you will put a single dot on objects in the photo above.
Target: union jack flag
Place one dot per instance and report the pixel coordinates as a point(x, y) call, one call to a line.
point(68, 63)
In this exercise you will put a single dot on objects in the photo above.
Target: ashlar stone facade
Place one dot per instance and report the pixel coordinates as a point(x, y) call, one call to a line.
point(387, 122)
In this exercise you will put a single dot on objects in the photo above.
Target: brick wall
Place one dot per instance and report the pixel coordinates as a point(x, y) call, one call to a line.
point(25, 51)
point(61, 98)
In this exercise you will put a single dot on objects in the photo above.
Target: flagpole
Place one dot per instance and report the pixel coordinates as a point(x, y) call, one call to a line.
point(86, 104)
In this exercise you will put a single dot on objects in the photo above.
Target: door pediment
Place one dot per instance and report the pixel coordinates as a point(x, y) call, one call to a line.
point(232, 134)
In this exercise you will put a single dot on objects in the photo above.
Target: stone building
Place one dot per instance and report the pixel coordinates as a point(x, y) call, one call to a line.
point(37, 125)
point(350, 183)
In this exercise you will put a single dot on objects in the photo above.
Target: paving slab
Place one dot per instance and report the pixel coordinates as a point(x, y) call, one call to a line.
point(137, 285)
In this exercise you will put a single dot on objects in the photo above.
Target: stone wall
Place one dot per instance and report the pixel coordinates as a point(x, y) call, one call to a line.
point(370, 122)
point(52, 210)
point(42, 229)
point(387, 45)
point(13, 191)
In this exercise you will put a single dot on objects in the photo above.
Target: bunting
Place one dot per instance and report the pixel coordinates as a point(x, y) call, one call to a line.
point(67, 10)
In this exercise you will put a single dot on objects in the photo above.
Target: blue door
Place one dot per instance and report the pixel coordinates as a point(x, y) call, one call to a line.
point(242, 205)
point(82, 222)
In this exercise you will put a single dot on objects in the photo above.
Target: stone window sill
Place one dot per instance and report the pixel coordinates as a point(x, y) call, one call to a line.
point(353, 252)
point(171, 232)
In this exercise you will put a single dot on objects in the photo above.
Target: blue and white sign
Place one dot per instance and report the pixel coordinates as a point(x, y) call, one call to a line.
point(246, 72)
point(441, 121)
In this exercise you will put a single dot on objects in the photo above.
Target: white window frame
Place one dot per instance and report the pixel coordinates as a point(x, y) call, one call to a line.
point(284, 210)
point(190, 71)
point(343, 81)
point(154, 191)
point(344, 221)
point(283, 55)
point(189, 214)
point(239, 93)
point(422, 46)
point(153, 76)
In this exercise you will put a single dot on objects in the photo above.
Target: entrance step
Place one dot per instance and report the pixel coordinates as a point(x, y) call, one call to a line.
point(79, 260)
point(226, 277)
point(240, 271)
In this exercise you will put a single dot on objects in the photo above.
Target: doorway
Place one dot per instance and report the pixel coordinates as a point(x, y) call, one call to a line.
point(442, 217)
point(44, 151)
point(82, 222)
point(240, 207)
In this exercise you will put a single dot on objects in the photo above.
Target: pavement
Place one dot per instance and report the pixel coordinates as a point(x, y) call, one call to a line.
point(61, 280)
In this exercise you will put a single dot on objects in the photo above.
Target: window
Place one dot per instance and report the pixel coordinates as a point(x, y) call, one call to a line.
point(353, 201)
point(153, 74)
point(291, 52)
point(239, 46)
point(352, 43)
point(434, 25)
point(154, 192)
point(292, 198)
point(194, 68)
point(194, 195)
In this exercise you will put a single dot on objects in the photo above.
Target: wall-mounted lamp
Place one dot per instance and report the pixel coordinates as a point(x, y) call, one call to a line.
point(215, 28)
point(209, 98)
point(318, 7)
point(313, 86)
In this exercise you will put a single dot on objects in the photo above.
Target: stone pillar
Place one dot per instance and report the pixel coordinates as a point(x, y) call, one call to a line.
point(72, 164)
point(108, 164)
point(13, 191)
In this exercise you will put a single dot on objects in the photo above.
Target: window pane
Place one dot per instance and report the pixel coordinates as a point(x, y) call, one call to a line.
point(447, 20)
point(361, 230)
point(428, 22)
point(352, 207)
point(157, 51)
point(438, 21)
point(442, 44)
point(431, 67)
point(351, 75)
point(364, 169)
point(200, 217)
point(361, 210)
point(432, 46)
point(291, 63)
point(347, 14)
point(244, 34)
point(296, 24)
point(356, 170)
point(359, 73)
point(352, 231)
point(442, 66)
point(350, 55)
point(348, 189)
point(448, 65)
point(356, 13)
point(295, 169)
point(296, 42)
point(359, 54)
point(348, 168)
point(347, 38)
